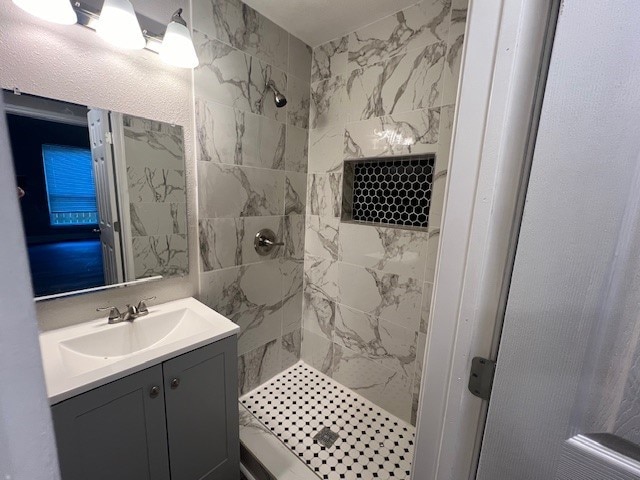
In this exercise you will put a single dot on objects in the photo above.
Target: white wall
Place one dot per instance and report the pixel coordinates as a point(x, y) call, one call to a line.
point(73, 64)
point(27, 446)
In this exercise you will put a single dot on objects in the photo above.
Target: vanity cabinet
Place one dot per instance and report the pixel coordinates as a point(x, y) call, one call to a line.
point(201, 402)
point(174, 421)
point(115, 431)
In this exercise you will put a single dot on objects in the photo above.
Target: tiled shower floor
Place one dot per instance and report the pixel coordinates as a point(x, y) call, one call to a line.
point(298, 403)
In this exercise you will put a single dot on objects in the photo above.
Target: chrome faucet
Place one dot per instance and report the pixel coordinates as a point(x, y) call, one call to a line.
point(132, 312)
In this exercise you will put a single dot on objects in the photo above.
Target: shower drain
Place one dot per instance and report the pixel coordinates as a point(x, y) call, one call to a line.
point(326, 437)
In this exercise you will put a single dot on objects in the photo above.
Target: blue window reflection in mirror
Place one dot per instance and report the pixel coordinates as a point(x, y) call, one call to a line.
point(70, 183)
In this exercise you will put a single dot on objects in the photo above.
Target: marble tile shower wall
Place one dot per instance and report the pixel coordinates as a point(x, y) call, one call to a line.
point(252, 164)
point(386, 89)
point(154, 152)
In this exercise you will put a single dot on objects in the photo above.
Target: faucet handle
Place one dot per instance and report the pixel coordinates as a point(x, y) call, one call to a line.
point(114, 313)
point(142, 305)
point(131, 314)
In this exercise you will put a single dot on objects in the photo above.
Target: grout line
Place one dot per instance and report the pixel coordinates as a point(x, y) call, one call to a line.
point(212, 38)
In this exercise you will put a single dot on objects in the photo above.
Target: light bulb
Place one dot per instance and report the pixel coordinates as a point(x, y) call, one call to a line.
point(119, 25)
point(56, 11)
point(177, 47)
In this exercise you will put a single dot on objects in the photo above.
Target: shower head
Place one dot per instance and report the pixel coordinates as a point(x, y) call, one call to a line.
point(278, 97)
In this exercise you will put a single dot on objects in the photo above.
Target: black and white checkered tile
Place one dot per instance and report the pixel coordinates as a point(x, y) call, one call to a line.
point(300, 402)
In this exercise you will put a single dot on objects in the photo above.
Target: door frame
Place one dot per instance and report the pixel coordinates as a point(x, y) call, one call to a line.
point(505, 52)
point(25, 426)
point(122, 194)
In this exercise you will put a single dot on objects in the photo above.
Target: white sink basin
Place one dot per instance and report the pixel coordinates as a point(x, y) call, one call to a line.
point(130, 337)
point(84, 356)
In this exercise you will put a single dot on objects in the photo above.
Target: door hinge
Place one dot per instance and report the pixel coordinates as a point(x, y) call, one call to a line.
point(116, 226)
point(108, 137)
point(481, 377)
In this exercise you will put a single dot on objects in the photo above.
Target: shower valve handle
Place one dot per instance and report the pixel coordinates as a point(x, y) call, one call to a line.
point(269, 243)
point(265, 242)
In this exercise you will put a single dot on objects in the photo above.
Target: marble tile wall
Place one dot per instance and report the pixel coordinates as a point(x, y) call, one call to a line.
point(154, 153)
point(386, 89)
point(252, 174)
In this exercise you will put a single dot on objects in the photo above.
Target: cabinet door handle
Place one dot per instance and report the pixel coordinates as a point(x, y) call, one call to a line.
point(175, 383)
point(155, 391)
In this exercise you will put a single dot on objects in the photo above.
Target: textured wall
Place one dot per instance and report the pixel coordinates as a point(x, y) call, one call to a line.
point(73, 64)
point(386, 89)
point(252, 160)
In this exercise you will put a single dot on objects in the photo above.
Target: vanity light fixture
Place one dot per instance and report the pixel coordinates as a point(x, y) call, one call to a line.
point(119, 25)
point(56, 11)
point(177, 46)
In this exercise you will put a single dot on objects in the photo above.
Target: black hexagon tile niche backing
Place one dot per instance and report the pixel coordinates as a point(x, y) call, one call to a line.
point(391, 191)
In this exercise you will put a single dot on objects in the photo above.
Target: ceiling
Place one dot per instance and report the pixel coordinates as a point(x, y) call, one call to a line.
point(318, 21)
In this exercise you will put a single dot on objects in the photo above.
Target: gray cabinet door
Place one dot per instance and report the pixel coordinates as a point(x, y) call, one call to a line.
point(201, 399)
point(116, 431)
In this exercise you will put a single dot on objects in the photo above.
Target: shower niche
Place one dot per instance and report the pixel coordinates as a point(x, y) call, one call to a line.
point(389, 191)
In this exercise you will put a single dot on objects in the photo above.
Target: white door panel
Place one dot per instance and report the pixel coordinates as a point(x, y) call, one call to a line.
point(106, 195)
point(571, 332)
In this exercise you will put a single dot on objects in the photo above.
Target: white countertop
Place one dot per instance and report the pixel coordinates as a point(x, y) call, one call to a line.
point(69, 372)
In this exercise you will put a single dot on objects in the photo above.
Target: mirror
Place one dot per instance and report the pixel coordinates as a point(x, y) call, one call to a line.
point(102, 194)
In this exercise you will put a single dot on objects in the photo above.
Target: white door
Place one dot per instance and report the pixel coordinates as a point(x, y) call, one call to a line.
point(106, 194)
point(566, 397)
